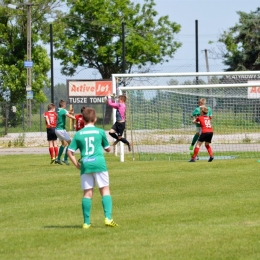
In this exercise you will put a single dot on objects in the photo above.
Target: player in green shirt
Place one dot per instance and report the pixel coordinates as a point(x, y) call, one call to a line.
point(196, 113)
point(61, 131)
point(91, 141)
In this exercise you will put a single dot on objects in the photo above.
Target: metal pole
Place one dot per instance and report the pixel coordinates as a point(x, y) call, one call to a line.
point(123, 48)
point(52, 78)
point(29, 58)
point(197, 49)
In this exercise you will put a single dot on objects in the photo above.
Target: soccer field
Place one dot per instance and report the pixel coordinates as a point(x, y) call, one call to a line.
point(165, 210)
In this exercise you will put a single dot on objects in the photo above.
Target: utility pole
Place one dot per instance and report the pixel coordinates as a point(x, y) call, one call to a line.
point(29, 68)
point(197, 48)
point(28, 64)
point(123, 48)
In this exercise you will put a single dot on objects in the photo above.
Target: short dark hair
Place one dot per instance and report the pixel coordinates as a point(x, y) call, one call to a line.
point(61, 103)
point(89, 115)
point(82, 109)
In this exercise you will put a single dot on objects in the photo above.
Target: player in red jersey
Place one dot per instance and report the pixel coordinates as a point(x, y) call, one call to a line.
point(51, 122)
point(79, 123)
point(206, 134)
point(79, 120)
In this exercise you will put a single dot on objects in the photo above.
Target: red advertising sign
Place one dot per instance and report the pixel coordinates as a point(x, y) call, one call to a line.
point(88, 91)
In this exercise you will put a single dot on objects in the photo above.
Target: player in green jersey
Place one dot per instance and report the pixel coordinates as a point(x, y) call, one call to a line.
point(196, 113)
point(91, 141)
point(61, 131)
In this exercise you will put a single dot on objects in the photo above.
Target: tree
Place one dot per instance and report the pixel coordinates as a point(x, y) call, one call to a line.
point(93, 36)
point(242, 43)
point(13, 49)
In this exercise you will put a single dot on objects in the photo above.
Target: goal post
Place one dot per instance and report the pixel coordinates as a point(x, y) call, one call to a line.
point(159, 108)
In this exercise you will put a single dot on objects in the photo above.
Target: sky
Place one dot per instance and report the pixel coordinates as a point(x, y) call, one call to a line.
point(213, 16)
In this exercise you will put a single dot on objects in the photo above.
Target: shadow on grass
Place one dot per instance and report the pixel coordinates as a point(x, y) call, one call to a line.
point(76, 226)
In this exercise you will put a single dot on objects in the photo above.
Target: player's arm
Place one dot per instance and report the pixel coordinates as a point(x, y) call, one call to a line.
point(73, 159)
point(47, 120)
point(75, 122)
point(195, 121)
point(105, 142)
point(112, 104)
point(71, 116)
point(210, 113)
point(107, 149)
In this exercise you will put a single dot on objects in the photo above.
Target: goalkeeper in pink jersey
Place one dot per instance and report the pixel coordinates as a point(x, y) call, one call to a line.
point(118, 128)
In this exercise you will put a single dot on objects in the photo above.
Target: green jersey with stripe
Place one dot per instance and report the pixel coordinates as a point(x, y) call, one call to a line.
point(196, 113)
point(91, 141)
point(61, 122)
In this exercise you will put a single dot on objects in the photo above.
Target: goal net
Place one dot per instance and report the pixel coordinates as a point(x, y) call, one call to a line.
point(159, 108)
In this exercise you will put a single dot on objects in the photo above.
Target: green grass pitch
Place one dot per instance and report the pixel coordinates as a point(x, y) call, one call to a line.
point(166, 210)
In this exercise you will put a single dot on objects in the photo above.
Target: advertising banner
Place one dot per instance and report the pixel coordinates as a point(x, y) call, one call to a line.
point(88, 91)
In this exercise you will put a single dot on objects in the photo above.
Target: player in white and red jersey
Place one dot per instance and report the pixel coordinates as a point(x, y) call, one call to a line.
point(206, 133)
point(51, 122)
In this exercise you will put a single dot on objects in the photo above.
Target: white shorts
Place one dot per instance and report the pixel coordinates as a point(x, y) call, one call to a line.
point(62, 135)
point(198, 129)
point(88, 180)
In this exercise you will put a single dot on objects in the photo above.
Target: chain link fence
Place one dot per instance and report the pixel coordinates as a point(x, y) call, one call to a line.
point(19, 128)
point(23, 126)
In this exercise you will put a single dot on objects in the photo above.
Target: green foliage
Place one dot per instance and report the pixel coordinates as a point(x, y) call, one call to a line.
point(242, 43)
point(201, 211)
point(90, 35)
point(13, 49)
point(19, 141)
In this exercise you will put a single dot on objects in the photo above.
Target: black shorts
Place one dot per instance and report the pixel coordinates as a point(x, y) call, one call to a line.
point(206, 137)
point(119, 128)
point(51, 136)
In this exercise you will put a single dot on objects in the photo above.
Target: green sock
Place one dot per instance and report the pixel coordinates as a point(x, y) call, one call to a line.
point(66, 154)
point(86, 207)
point(61, 149)
point(107, 206)
point(194, 140)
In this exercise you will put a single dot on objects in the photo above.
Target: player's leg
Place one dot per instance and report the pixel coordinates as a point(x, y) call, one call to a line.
point(120, 131)
point(56, 150)
point(60, 135)
point(61, 149)
point(208, 147)
point(52, 151)
point(50, 136)
point(55, 146)
point(102, 180)
point(68, 140)
point(112, 133)
point(195, 139)
point(87, 184)
point(196, 151)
